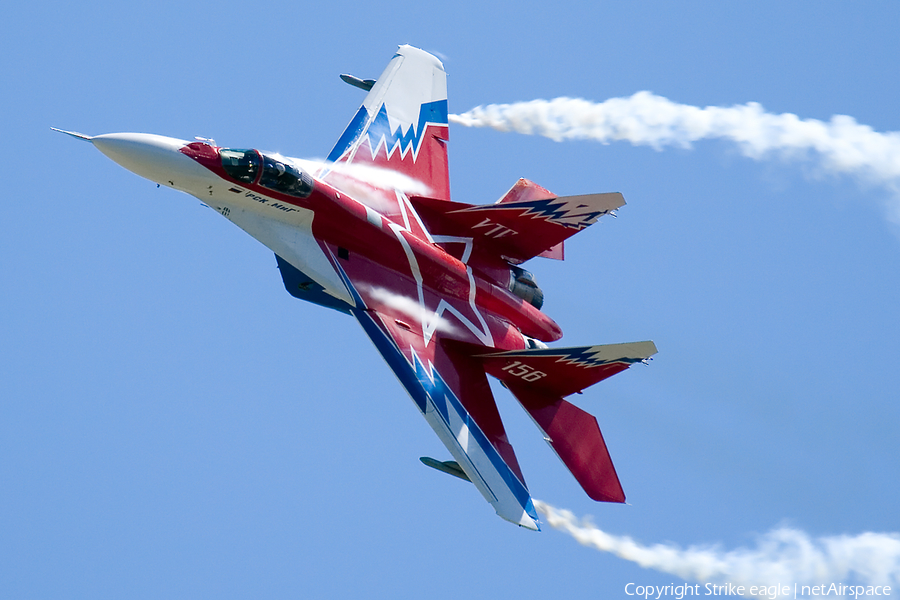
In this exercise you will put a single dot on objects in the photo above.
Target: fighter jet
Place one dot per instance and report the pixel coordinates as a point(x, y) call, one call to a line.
point(437, 285)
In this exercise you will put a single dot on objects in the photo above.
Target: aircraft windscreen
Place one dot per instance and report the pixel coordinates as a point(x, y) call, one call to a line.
point(285, 178)
point(242, 165)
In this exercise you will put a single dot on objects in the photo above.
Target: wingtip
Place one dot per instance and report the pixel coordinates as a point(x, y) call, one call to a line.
point(74, 134)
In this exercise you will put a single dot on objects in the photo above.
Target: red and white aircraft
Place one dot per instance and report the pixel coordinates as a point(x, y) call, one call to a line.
point(435, 284)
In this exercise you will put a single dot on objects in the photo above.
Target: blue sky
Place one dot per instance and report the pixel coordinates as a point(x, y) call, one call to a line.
point(175, 425)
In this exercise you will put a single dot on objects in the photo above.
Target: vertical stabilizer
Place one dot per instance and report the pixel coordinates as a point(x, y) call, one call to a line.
point(575, 437)
point(540, 378)
point(402, 123)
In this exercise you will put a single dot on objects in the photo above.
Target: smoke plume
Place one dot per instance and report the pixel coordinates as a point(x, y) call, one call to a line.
point(412, 309)
point(841, 145)
point(782, 556)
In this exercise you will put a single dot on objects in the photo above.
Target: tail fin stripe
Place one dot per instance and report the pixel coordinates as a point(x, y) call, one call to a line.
point(351, 134)
point(431, 113)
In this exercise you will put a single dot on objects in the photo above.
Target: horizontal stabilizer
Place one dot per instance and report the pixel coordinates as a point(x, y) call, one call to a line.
point(575, 437)
point(450, 467)
point(563, 371)
point(528, 221)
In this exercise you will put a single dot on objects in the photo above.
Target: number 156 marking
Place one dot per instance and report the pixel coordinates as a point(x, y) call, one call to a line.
point(526, 373)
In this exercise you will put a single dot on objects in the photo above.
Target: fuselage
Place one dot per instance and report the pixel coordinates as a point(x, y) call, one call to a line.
point(329, 225)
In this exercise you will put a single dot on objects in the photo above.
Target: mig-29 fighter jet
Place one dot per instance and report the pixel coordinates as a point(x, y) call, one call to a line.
point(436, 285)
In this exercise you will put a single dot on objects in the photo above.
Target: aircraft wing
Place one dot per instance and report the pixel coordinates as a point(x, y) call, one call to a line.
point(451, 390)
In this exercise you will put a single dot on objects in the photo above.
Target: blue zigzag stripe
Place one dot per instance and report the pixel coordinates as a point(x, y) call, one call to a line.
point(380, 127)
point(421, 388)
point(551, 209)
point(586, 357)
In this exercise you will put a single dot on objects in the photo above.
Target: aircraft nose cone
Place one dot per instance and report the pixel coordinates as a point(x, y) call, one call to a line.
point(155, 157)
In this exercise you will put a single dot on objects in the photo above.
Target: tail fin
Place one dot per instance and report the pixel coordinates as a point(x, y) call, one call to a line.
point(564, 371)
point(402, 124)
point(575, 437)
point(528, 221)
point(540, 378)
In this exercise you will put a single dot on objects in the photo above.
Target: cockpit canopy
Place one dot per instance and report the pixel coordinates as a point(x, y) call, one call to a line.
point(248, 166)
point(242, 165)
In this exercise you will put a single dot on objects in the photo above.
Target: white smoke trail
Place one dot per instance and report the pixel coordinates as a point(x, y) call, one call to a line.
point(412, 309)
point(841, 144)
point(782, 556)
point(366, 174)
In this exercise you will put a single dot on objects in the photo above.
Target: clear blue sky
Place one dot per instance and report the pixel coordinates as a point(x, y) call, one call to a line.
point(174, 425)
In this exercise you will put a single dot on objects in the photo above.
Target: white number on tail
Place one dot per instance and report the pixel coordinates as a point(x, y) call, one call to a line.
point(526, 373)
